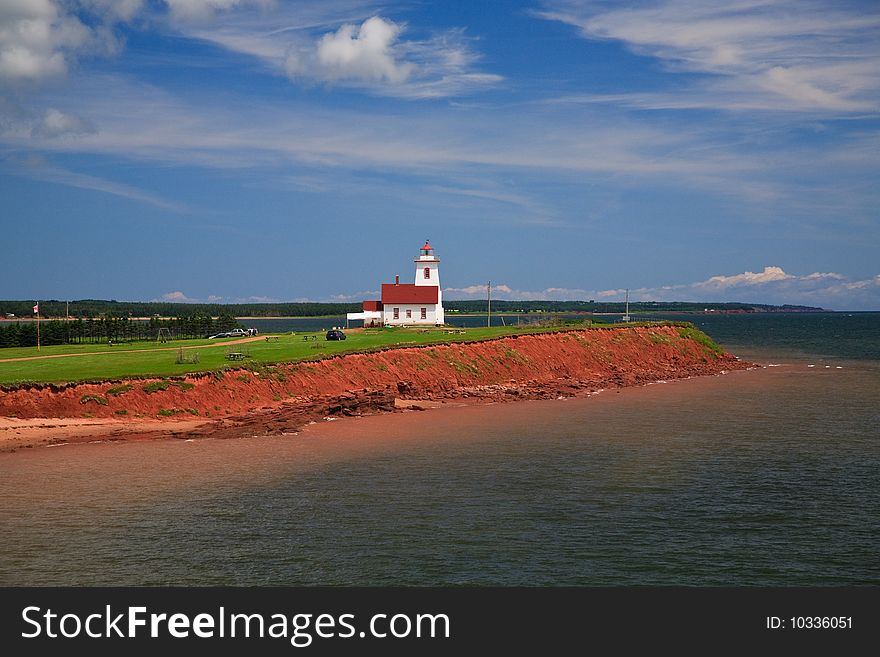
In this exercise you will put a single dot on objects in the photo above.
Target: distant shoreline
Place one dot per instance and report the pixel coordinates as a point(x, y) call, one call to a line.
point(503, 313)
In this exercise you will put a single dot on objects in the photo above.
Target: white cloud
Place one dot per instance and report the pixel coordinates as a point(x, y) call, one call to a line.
point(362, 53)
point(480, 290)
point(502, 291)
point(40, 39)
point(177, 297)
point(771, 286)
point(867, 284)
point(794, 55)
point(769, 275)
point(774, 279)
point(37, 37)
point(371, 56)
point(354, 298)
point(824, 276)
point(776, 286)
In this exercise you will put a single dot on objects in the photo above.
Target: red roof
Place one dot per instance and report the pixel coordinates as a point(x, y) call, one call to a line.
point(427, 247)
point(408, 293)
point(372, 305)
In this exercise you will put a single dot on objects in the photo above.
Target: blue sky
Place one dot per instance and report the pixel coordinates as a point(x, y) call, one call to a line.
point(236, 150)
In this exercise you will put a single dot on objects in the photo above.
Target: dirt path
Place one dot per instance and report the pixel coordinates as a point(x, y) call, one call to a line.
point(135, 351)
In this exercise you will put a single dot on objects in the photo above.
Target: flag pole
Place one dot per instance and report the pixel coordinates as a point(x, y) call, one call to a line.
point(38, 325)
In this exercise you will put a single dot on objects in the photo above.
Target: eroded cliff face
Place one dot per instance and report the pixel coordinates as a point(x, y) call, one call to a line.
point(525, 366)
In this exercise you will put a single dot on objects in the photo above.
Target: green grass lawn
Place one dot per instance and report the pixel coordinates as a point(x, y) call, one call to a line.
point(21, 352)
point(145, 363)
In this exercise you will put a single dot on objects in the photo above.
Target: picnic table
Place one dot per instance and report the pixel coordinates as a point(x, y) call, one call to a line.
point(310, 338)
point(272, 338)
point(235, 355)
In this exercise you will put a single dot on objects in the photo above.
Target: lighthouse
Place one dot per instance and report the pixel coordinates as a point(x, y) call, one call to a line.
point(409, 304)
point(428, 274)
point(419, 303)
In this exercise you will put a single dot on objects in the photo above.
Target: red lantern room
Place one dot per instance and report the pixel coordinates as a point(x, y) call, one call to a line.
point(426, 250)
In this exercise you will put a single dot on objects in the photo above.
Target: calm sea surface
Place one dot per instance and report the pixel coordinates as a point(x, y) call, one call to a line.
point(770, 476)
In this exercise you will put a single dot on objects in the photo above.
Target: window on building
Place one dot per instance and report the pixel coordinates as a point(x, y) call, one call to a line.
point(424, 313)
point(397, 313)
point(408, 313)
point(427, 272)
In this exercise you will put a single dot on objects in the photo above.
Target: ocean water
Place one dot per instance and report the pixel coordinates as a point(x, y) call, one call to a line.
point(768, 476)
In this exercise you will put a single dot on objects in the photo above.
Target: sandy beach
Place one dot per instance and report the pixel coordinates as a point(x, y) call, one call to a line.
point(18, 433)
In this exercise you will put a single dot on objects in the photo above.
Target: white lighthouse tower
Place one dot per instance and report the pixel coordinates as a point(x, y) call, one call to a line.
point(428, 273)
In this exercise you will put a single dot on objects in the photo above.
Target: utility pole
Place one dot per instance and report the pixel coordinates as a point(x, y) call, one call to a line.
point(489, 309)
point(37, 310)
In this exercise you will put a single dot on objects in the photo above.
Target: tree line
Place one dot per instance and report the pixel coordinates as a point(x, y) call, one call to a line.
point(112, 329)
point(92, 308)
point(96, 308)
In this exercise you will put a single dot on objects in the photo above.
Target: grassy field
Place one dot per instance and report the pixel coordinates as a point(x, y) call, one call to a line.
point(24, 352)
point(145, 359)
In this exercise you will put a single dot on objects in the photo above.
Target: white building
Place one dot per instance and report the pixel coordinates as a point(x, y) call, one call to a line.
point(403, 304)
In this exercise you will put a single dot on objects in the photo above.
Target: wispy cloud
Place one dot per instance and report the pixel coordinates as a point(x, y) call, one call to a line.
point(460, 154)
point(38, 168)
point(528, 210)
point(200, 10)
point(790, 55)
point(146, 122)
point(55, 123)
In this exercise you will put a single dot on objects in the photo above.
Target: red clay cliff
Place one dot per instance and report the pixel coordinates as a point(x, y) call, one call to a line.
point(280, 398)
